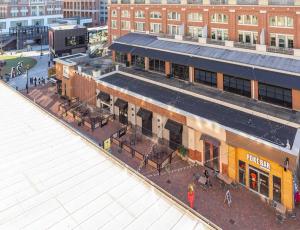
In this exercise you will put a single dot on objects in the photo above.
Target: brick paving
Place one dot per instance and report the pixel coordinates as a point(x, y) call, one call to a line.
point(247, 210)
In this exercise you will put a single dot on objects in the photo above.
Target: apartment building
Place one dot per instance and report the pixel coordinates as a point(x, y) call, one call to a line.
point(28, 13)
point(253, 24)
point(94, 9)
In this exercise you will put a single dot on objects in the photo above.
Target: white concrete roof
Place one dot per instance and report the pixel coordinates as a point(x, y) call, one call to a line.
point(50, 178)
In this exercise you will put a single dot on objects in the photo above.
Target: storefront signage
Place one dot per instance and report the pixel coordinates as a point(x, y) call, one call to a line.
point(262, 163)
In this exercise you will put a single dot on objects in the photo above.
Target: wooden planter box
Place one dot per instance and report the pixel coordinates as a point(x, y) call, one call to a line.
point(127, 148)
point(153, 164)
point(139, 155)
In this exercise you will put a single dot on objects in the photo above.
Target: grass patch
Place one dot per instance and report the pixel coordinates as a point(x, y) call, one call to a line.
point(12, 61)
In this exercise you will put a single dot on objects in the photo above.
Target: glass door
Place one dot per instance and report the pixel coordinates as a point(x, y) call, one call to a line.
point(242, 172)
point(253, 177)
point(264, 184)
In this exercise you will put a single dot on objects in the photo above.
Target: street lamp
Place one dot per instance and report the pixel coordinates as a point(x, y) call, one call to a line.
point(41, 44)
point(27, 86)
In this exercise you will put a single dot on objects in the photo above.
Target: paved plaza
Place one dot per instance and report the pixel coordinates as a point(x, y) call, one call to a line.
point(247, 211)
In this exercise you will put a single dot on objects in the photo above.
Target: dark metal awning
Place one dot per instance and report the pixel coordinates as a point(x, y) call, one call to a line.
point(144, 114)
point(210, 139)
point(121, 104)
point(173, 126)
point(103, 96)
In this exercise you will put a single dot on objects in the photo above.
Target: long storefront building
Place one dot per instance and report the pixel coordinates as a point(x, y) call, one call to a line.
point(261, 152)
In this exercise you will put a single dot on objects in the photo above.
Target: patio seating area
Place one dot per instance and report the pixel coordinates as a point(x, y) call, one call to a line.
point(152, 151)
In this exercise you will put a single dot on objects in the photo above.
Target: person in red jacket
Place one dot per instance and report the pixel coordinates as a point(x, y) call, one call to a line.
point(191, 195)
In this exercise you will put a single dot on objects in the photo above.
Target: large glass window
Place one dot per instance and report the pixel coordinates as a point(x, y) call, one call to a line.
point(237, 85)
point(219, 18)
point(281, 21)
point(180, 71)
point(259, 181)
point(155, 15)
point(173, 29)
point(174, 16)
point(248, 37)
point(157, 65)
point(247, 20)
point(282, 40)
point(138, 61)
point(195, 31)
point(275, 94)
point(155, 28)
point(219, 34)
point(277, 189)
point(121, 57)
point(195, 17)
point(205, 77)
point(140, 26)
point(74, 40)
point(139, 14)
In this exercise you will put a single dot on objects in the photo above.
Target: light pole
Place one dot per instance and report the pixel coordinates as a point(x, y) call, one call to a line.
point(27, 86)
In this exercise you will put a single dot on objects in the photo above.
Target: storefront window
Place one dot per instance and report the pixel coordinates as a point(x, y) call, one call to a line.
point(259, 181)
point(121, 57)
point(138, 61)
point(253, 177)
point(237, 85)
point(277, 189)
point(157, 65)
point(205, 77)
point(180, 71)
point(242, 172)
point(211, 156)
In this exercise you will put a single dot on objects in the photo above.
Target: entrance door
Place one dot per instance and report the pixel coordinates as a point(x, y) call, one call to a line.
point(123, 117)
point(211, 154)
point(259, 181)
point(147, 127)
point(175, 140)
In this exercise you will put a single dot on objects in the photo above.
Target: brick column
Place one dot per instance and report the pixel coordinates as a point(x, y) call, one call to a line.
point(167, 67)
point(191, 73)
point(113, 55)
point(232, 23)
point(220, 78)
point(109, 24)
point(263, 24)
point(132, 16)
point(296, 99)
point(164, 21)
point(146, 63)
point(297, 28)
point(191, 144)
point(254, 89)
point(129, 58)
point(147, 20)
point(184, 20)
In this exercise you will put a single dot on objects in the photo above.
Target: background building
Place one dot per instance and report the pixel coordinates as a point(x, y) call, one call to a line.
point(253, 24)
point(28, 13)
point(67, 39)
point(95, 9)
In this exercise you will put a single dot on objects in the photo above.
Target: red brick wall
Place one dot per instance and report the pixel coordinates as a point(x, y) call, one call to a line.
point(207, 11)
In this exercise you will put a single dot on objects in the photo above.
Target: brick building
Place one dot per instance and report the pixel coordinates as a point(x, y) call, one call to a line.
point(94, 9)
point(257, 24)
point(28, 13)
point(253, 144)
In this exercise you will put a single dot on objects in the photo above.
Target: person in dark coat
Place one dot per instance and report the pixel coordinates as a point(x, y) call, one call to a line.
point(35, 81)
point(39, 81)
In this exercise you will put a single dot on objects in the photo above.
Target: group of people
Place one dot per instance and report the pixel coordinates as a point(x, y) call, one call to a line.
point(37, 81)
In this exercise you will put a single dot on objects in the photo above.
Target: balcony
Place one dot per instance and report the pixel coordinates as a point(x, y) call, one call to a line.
point(215, 42)
point(243, 45)
point(281, 2)
point(195, 2)
point(190, 38)
point(280, 50)
point(174, 1)
point(247, 2)
point(218, 2)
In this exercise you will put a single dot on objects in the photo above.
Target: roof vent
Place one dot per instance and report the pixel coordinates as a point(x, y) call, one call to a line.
point(288, 146)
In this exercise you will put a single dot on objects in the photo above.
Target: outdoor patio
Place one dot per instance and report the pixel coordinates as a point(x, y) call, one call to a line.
point(247, 210)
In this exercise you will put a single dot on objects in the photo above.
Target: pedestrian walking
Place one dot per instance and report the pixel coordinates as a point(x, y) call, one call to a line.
point(191, 195)
point(39, 81)
point(35, 81)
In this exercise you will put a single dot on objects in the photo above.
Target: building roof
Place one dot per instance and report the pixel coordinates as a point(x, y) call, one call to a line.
point(261, 128)
point(53, 179)
point(281, 71)
point(67, 27)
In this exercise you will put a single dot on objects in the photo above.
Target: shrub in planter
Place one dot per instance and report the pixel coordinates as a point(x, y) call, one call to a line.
point(182, 151)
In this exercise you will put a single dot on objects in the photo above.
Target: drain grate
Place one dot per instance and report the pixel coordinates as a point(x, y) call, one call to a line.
point(231, 221)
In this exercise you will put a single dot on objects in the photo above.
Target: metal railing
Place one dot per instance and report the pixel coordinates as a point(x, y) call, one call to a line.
point(282, 2)
point(218, 2)
point(194, 1)
point(155, 1)
point(280, 50)
point(173, 1)
point(244, 45)
point(125, 1)
point(247, 2)
point(215, 42)
point(139, 1)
